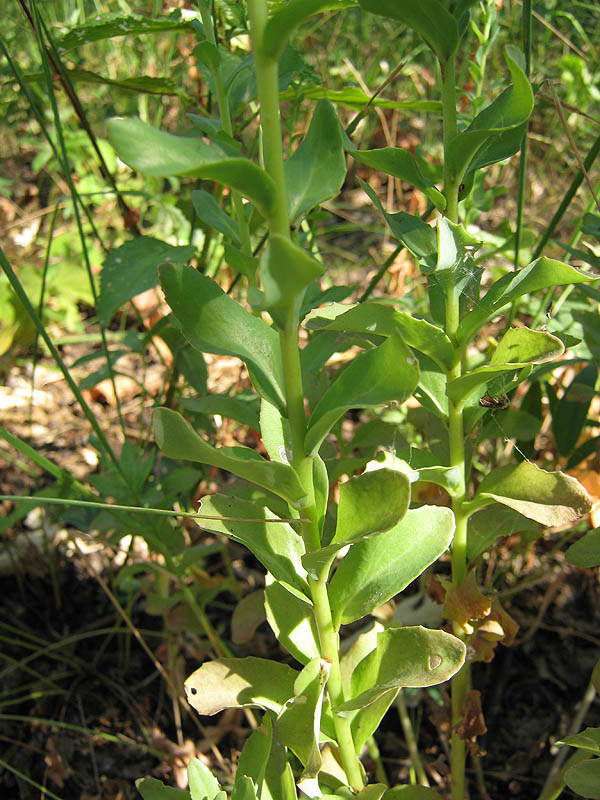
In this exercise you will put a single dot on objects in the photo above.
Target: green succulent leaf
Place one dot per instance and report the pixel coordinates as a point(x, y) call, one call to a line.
point(238, 683)
point(585, 552)
point(589, 739)
point(490, 523)
point(510, 110)
point(404, 657)
point(377, 568)
point(372, 502)
point(275, 544)
point(401, 164)
point(292, 621)
point(299, 723)
point(210, 213)
point(429, 18)
point(518, 348)
point(203, 784)
point(543, 273)
point(177, 439)
point(584, 778)
point(131, 269)
point(153, 789)
point(316, 170)
point(160, 155)
point(384, 320)
point(213, 322)
point(388, 372)
point(551, 498)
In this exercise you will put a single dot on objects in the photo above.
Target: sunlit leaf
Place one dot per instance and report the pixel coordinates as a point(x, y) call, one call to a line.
point(177, 439)
point(377, 568)
point(404, 656)
point(388, 372)
point(551, 498)
point(214, 323)
point(240, 682)
point(159, 154)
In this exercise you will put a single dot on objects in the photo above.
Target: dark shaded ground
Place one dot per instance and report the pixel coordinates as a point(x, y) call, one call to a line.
point(67, 659)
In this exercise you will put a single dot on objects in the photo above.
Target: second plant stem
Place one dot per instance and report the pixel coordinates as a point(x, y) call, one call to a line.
point(461, 681)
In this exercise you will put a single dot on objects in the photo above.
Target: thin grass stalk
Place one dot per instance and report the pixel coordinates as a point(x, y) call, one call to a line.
point(526, 32)
point(41, 31)
point(54, 60)
point(568, 197)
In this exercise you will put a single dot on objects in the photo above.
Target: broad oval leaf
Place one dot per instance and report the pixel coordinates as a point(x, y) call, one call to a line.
point(316, 170)
point(589, 739)
point(153, 789)
point(417, 236)
point(388, 372)
point(384, 320)
point(244, 788)
point(492, 522)
point(203, 784)
point(210, 213)
point(585, 552)
point(543, 273)
point(534, 347)
point(177, 439)
point(525, 346)
point(584, 778)
point(551, 498)
point(240, 682)
point(292, 621)
point(275, 544)
point(377, 568)
point(429, 18)
point(400, 163)
point(214, 323)
point(160, 155)
point(404, 657)
point(510, 110)
point(285, 273)
point(299, 722)
point(371, 502)
point(131, 269)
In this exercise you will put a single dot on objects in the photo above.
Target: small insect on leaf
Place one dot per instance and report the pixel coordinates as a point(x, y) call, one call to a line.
point(497, 402)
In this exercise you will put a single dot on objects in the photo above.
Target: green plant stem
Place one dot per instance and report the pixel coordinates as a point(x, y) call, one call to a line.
point(461, 681)
point(450, 130)
point(409, 738)
point(268, 95)
point(267, 76)
point(330, 652)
